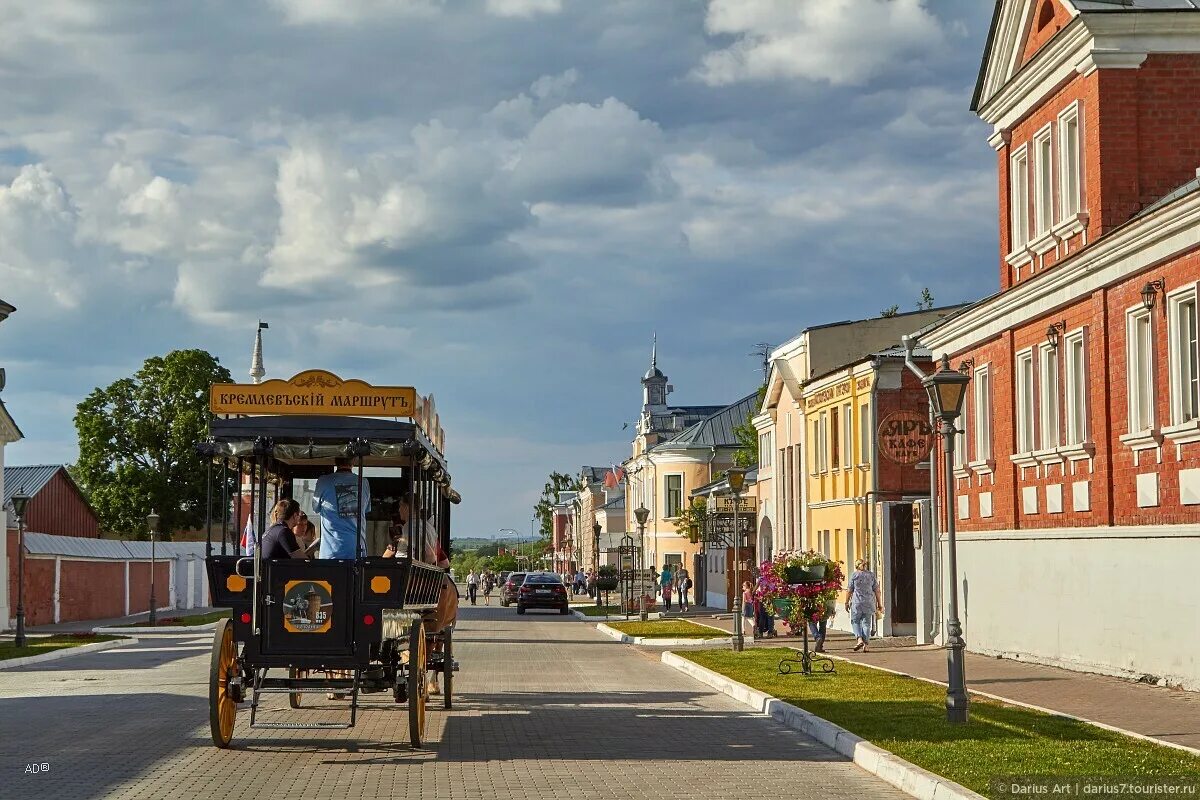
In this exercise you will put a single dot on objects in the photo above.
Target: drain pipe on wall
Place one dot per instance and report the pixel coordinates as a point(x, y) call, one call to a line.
point(935, 535)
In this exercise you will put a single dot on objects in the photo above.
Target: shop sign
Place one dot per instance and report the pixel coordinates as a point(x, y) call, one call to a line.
point(905, 437)
point(724, 505)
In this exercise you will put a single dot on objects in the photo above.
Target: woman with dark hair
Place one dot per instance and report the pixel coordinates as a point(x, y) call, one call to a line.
point(279, 541)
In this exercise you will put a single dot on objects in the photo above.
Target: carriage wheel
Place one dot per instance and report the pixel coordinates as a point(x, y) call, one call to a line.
point(447, 667)
point(416, 683)
point(294, 673)
point(222, 709)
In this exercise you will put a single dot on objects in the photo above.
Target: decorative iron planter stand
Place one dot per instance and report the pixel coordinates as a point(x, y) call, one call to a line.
point(806, 658)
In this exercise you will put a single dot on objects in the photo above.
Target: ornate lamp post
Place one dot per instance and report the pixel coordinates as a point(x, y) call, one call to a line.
point(947, 388)
point(152, 523)
point(19, 501)
point(596, 561)
point(737, 481)
point(642, 514)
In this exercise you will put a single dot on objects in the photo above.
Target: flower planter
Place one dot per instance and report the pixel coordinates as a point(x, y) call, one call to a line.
point(783, 608)
point(805, 574)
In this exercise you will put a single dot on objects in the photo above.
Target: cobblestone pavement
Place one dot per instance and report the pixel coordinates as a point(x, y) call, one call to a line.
point(546, 707)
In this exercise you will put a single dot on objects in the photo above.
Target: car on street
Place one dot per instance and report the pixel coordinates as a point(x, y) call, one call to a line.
point(543, 590)
point(510, 588)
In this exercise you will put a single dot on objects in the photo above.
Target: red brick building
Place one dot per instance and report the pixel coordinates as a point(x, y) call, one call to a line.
point(1078, 478)
point(56, 505)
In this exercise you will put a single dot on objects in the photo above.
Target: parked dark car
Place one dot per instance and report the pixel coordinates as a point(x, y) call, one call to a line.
point(509, 589)
point(542, 590)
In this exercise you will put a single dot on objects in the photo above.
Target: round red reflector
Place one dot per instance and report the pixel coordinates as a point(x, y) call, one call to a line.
point(368, 619)
point(246, 617)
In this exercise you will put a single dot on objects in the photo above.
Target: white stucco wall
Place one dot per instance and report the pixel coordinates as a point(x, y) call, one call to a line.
point(1119, 601)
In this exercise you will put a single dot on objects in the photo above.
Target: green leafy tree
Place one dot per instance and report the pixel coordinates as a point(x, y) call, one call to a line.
point(696, 513)
point(746, 456)
point(926, 301)
point(137, 444)
point(557, 482)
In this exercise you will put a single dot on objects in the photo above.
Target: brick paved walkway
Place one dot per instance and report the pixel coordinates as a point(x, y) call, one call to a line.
point(1171, 715)
point(547, 708)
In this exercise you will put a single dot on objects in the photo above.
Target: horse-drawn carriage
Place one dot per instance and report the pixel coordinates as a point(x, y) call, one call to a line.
point(345, 626)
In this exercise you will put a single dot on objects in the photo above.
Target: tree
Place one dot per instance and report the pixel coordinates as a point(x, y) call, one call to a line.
point(926, 301)
point(746, 456)
point(137, 444)
point(557, 482)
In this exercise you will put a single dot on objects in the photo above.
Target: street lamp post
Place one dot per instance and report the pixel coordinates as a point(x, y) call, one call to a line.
point(947, 388)
point(737, 481)
point(596, 561)
point(152, 522)
point(642, 513)
point(20, 500)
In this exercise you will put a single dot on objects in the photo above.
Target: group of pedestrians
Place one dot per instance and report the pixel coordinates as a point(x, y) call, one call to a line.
point(673, 584)
point(477, 580)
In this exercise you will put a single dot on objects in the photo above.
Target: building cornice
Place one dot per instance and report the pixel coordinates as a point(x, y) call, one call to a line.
point(1139, 245)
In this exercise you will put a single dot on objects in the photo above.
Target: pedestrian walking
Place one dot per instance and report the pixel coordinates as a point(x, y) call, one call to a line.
point(863, 602)
point(817, 629)
point(683, 585)
point(748, 608)
point(764, 619)
point(667, 590)
point(489, 583)
point(472, 585)
point(664, 580)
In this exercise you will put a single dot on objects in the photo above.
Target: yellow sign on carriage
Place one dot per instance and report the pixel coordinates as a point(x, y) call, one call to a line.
point(313, 392)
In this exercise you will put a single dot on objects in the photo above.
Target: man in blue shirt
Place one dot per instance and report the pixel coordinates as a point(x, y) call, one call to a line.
point(336, 501)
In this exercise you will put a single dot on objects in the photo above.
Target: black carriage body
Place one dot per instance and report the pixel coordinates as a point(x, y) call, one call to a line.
point(328, 613)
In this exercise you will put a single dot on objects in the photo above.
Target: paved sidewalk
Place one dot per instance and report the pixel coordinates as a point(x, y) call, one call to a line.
point(85, 626)
point(1170, 715)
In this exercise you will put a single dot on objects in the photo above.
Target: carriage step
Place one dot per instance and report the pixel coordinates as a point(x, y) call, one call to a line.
point(301, 726)
point(343, 689)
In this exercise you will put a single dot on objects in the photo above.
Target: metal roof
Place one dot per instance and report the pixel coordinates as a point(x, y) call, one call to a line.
point(31, 479)
point(115, 549)
point(715, 430)
point(594, 474)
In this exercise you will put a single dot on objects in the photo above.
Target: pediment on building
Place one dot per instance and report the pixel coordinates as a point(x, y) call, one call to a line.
point(9, 432)
point(1020, 28)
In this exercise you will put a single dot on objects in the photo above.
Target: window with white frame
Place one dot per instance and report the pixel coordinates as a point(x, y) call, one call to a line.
point(1048, 397)
point(847, 434)
point(983, 413)
point(1025, 403)
point(1018, 191)
point(764, 449)
point(1185, 371)
point(864, 434)
point(1140, 371)
point(1043, 189)
point(821, 453)
point(673, 494)
point(1069, 188)
point(1076, 393)
point(960, 438)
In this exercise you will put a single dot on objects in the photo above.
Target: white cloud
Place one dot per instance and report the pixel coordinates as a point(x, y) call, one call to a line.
point(38, 250)
point(303, 12)
point(523, 8)
point(842, 42)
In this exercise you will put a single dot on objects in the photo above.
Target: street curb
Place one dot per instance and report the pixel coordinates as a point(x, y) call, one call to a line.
point(907, 777)
point(54, 655)
point(212, 626)
point(611, 617)
point(1009, 701)
point(657, 642)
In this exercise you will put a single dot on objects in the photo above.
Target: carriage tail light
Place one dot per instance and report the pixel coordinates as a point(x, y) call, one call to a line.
point(368, 619)
point(245, 618)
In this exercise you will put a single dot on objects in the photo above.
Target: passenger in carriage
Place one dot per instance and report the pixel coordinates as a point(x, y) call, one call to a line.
point(336, 501)
point(279, 541)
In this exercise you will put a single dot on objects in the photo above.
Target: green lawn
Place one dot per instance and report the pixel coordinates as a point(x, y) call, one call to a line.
point(597, 611)
point(189, 621)
point(908, 718)
point(667, 629)
point(38, 645)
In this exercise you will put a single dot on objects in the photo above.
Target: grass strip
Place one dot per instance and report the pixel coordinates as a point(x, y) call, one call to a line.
point(177, 622)
point(667, 629)
point(39, 645)
point(908, 717)
point(597, 611)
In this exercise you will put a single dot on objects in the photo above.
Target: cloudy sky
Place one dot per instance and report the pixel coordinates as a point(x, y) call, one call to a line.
point(496, 201)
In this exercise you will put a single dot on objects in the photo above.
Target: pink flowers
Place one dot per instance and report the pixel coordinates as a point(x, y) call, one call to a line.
point(809, 601)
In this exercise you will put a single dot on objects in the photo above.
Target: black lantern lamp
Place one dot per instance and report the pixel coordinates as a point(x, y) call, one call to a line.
point(596, 561)
point(1150, 293)
point(20, 501)
point(152, 523)
point(1054, 333)
point(737, 481)
point(641, 513)
point(947, 388)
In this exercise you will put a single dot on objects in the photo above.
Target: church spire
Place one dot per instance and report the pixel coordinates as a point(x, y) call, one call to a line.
point(257, 371)
point(654, 383)
point(654, 351)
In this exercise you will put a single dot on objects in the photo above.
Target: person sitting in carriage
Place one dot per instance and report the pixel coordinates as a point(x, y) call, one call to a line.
point(279, 541)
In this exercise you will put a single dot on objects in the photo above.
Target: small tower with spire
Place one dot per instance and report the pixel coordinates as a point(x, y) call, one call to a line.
point(257, 371)
point(654, 384)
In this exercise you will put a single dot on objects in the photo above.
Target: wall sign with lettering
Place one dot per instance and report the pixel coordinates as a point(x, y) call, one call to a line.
point(905, 437)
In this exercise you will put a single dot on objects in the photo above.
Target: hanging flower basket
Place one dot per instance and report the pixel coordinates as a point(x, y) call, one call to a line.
point(800, 587)
point(804, 573)
point(783, 607)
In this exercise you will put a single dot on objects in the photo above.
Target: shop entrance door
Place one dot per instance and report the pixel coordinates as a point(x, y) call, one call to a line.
point(903, 574)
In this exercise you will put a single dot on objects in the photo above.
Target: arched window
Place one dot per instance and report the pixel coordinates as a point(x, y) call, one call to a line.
point(1045, 15)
